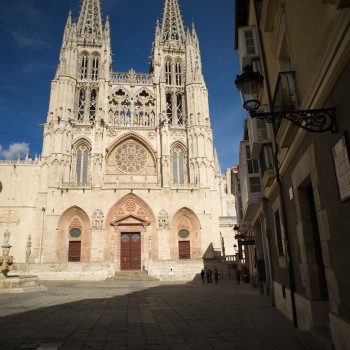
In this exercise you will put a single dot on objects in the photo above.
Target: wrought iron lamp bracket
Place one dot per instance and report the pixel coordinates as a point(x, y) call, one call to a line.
point(314, 120)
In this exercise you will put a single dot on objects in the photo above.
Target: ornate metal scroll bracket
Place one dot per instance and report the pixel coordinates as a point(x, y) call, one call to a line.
point(314, 120)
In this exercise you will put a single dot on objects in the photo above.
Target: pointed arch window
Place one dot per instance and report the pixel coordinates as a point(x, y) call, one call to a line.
point(169, 107)
point(168, 73)
point(84, 67)
point(81, 107)
point(93, 101)
point(82, 160)
point(179, 109)
point(178, 73)
point(178, 162)
point(94, 71)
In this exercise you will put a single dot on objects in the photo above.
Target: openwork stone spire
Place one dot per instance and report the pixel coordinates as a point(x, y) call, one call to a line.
point(89, 23)
point(172, 26)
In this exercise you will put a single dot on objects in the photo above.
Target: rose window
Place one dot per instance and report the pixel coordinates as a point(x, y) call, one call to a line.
point(131, 157)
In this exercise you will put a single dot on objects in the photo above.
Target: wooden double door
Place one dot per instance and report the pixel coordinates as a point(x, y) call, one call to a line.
point(130, 251)
point(74, 251)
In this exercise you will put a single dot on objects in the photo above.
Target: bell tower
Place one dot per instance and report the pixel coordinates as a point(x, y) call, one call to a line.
point(78, 95)
point(176, 65)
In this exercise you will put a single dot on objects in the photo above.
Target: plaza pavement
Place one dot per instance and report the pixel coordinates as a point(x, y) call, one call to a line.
point(138, 315)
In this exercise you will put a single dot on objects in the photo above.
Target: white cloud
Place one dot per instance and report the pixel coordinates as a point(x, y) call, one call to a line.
point(25, 40)
point(14, 151)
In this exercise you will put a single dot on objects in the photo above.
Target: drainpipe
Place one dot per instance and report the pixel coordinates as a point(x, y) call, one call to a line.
point(267, 237)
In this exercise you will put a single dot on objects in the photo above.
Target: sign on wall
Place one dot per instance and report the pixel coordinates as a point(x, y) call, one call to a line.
point(340, 153)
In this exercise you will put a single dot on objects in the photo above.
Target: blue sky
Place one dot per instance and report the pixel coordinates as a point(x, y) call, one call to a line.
point(32, 31)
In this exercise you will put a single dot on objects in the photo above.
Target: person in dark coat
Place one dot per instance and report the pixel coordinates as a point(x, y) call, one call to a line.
point(238, 276)
point(216, 276)
point(202, 275)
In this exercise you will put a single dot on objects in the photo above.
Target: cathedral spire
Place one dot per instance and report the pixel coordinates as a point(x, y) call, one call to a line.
point(90, 23)
point(172, 26)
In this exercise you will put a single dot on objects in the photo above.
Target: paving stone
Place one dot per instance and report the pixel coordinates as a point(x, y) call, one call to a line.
point(143, 316)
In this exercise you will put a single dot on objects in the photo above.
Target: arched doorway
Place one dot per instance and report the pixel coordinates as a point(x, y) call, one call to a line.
point(131, 234)
point(185, 235)
point(74, 239)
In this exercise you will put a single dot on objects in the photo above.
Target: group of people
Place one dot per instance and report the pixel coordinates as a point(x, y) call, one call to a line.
point(207, 274)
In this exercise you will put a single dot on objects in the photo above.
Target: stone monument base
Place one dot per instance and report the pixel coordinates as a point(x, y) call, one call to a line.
point(20, 284)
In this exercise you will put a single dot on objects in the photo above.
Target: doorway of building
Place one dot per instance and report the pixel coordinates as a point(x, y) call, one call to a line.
point(74, 251)
point(316, 263)
point(184, 250)
point(317, 288)
point(130, 251)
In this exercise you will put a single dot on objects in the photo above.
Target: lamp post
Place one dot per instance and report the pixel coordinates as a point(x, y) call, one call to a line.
point(250, 84)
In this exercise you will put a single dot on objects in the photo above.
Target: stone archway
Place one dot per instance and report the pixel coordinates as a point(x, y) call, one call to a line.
point(131, 240)
point(74, 239)
point(185, 236)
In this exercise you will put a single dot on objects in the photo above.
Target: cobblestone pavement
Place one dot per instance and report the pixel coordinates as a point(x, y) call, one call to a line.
point(137, 315)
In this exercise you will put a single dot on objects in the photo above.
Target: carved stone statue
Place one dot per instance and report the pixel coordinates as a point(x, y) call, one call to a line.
point(6, 261)
point(7, 235)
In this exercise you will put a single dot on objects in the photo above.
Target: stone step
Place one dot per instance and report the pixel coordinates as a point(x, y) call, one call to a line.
point(132, 276)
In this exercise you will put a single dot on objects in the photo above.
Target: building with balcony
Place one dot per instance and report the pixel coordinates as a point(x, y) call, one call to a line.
point(299, 52)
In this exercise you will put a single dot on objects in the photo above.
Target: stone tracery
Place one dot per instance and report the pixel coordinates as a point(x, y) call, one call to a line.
point(125, 110)
point(131, 157)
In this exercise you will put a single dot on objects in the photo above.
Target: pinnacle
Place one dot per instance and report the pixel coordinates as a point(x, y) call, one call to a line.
point(172, 25)
point(89, 23)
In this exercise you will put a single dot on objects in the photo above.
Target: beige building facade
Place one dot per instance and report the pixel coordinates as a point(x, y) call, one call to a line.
point(294, 180)
point(128, 178)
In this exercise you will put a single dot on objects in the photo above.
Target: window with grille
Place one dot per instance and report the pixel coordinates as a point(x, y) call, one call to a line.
point(94, 71)
point(179, 109)
point(93, 101)
point(81, 106)
point(169, 107)
point(168, 73)
point(178, 73)
point(84, 68)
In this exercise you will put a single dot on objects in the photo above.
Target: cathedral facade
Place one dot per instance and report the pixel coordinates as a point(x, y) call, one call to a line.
point(128, 178)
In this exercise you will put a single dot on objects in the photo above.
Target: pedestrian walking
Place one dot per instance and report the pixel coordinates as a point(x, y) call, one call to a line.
point(202, 275)
point(216, 276)
point(207, 274)
point(210, 276)
point(238, 276)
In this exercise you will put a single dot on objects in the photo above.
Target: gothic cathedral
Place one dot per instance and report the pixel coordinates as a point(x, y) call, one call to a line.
point(128, 178)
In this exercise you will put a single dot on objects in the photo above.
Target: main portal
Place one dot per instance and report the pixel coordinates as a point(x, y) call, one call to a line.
point(130, 251)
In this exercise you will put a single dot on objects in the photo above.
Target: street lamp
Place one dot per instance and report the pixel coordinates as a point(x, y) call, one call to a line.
point(250, 84)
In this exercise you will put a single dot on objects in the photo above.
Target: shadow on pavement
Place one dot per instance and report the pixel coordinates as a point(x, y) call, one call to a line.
point(143, 315)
